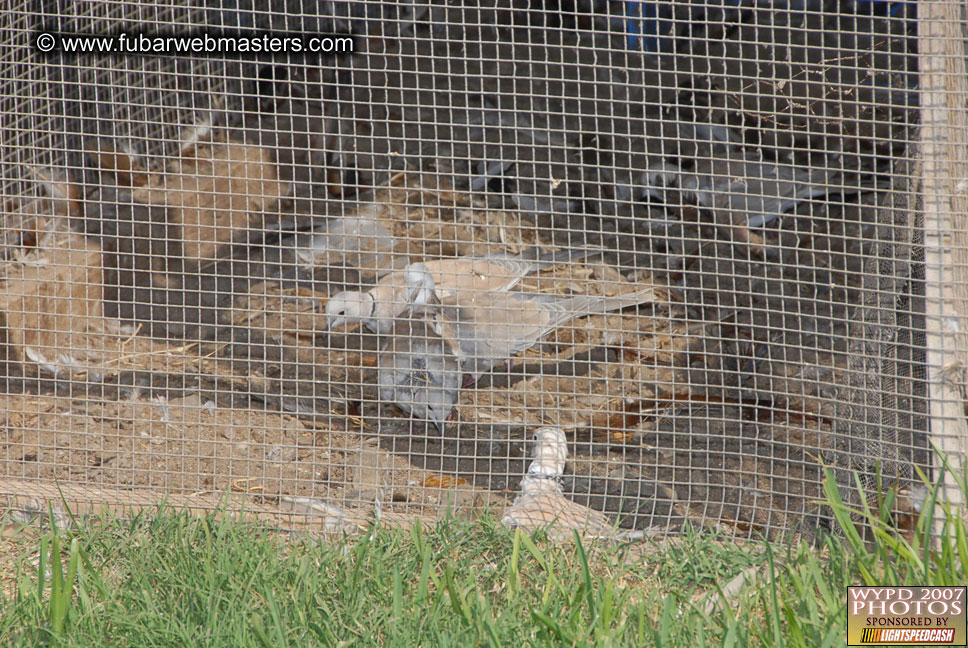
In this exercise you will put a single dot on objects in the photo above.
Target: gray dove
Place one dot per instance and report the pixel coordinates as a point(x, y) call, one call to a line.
point(378, 307)
point(417, 369)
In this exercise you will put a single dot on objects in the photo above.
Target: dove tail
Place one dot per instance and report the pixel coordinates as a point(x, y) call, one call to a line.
point(583, 305)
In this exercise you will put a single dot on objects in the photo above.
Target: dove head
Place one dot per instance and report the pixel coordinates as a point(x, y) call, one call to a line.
point(420, 284)
point(438, 412)
point(347, 307)
point(550, 453)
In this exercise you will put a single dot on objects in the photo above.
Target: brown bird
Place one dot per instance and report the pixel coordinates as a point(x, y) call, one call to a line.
point(490, 327)
point(452, 277)
point(469, 334)
point(542, 505)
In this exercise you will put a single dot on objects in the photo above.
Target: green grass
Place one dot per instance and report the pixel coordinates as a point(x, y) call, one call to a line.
point(176, 580)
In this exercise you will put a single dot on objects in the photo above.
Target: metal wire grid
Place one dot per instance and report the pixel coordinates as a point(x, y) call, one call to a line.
point(753, 163)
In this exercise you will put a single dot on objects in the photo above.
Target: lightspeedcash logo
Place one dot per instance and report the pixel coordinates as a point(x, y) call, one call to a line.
point(924, 616)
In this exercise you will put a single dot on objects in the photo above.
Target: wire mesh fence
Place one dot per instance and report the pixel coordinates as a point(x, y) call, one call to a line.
point(344, 259)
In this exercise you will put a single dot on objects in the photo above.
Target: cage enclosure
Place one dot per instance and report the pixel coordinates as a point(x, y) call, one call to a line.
point(341, 260)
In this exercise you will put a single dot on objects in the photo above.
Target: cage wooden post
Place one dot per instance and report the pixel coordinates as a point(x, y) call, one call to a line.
point(944, 151)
